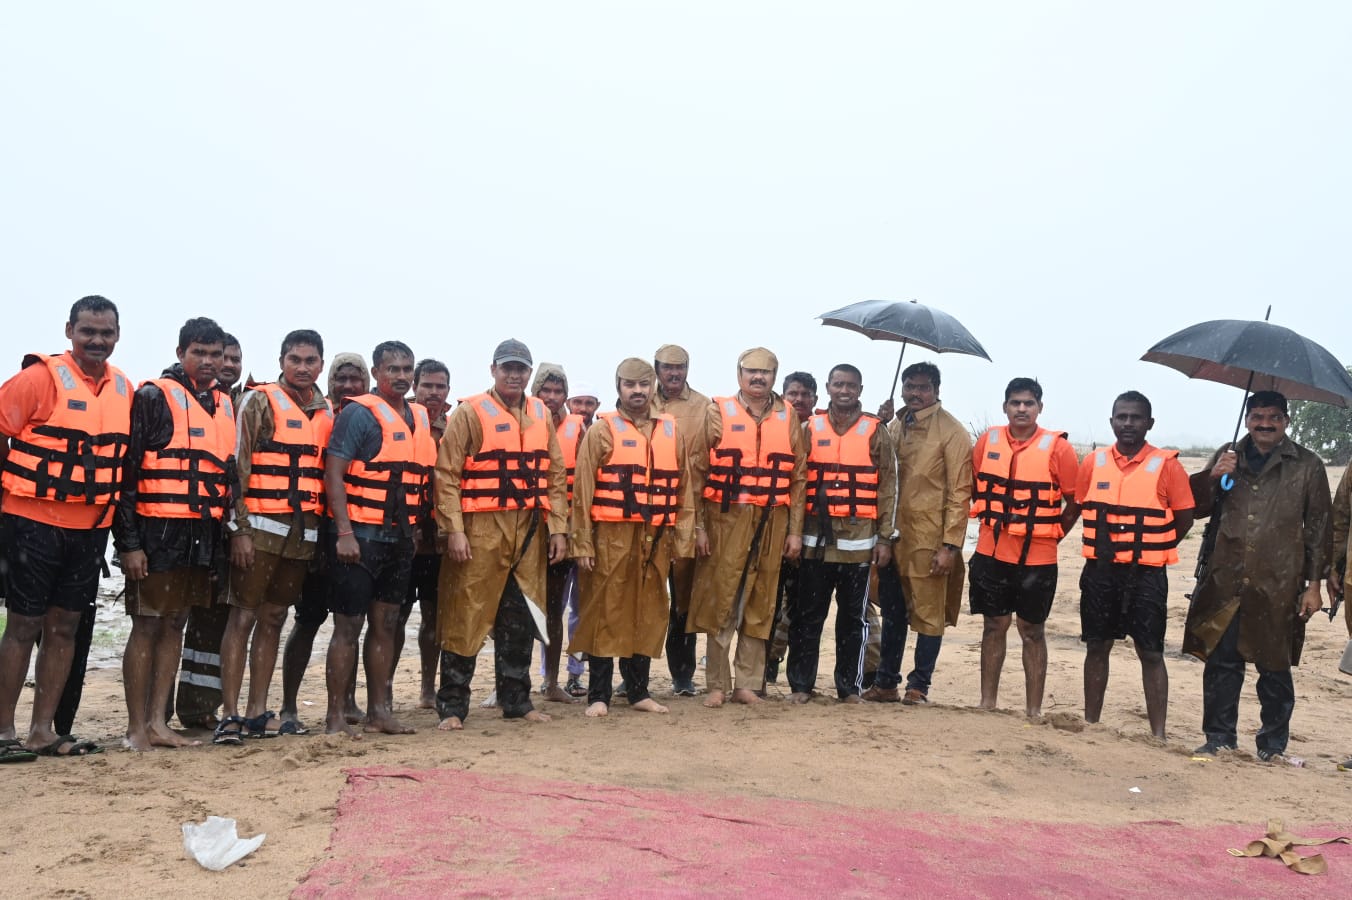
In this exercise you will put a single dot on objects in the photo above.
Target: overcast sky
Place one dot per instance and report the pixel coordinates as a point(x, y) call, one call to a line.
point(1073, 181)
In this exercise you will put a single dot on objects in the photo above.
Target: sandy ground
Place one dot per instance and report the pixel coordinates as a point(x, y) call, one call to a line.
point(109, 825)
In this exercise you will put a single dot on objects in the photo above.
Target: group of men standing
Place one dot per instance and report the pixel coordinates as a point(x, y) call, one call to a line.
point(668, 516)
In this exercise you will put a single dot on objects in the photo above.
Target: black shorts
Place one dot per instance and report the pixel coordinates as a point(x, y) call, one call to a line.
point(46, 566)
point(313, 607)
point(1119, 600)
point(424, 577)
point(998, 588)
point(382, 576)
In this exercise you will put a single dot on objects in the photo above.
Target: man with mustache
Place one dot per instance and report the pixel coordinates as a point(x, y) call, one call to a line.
point(348, 377)
point(198, 696)
point(65, 422)
point(584, 402)
point(922, 590)
point(283, 429)
point(502, 500)
point(1137, 506)
point(750, 521)
point(1270, 544)
point(177, 485)
point(431, 388)
point(632, 506)
point(1023, 472)
point(379, 459)
point(849, 528)
point(688, 407)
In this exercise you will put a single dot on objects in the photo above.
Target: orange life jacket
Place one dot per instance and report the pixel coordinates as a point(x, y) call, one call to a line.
point(511, 469)
point(569, 434)
point(641, 480)
point(188, 478)
point(76, 455)
point(753, 462)
point(840, 470)
point(387, 489)
point(286, 472)
point(1029, 504)
point(1124, 520)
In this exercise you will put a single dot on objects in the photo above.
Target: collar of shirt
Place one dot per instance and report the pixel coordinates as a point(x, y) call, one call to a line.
point(316, 401)
point(1126, 463)
point(95, 384)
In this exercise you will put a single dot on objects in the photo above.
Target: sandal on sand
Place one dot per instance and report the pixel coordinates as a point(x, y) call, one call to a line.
point(11, 751)
point(257, 727)
point(230, 732)
point(291, 726)
point(74, 747)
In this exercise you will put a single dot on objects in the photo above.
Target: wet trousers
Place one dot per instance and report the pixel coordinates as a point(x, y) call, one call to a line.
point(811, 603)
point(633, 670)
point(513, 635)
point(1222, 683)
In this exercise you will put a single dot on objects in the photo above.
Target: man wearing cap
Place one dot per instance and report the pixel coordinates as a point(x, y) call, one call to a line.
point(502, 499)
point(688, 407)
point(751, 519)
point(584, 402)
point(551, 387)
point(633, 505)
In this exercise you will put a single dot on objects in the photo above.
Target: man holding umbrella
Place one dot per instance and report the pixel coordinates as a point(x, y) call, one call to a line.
point(751, 519)
point(1262, 581)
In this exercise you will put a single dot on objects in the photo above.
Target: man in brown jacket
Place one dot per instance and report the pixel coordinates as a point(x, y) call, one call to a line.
point(1269, 550)
point(934, 493)
point(688, 407)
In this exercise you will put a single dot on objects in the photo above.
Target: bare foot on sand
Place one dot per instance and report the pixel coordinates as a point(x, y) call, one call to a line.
point(648, 704)
point(799, 697)
point(597, 710)
point(388, 725)
point(137, 743)
point(342, 726)
point(555, 694)
point(491, 702)
point(451, 723)
point(742, 695)
point(851, 698)
point(715, 699)
point(164, 736)
point(536, 716)
point(428, 701)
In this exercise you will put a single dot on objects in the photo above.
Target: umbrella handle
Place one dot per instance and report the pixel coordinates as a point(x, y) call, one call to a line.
point(1227, 482)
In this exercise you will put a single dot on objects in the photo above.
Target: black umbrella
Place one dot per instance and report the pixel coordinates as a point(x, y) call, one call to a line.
point(1256, 356)
point(909, 323)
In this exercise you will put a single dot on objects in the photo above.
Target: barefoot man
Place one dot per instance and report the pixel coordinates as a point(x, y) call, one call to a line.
point(379, 459)
point(754, 477)
point(632, 506)
point(502, 499)
point(1023, 471)
point(177, 483)
point(64, 426)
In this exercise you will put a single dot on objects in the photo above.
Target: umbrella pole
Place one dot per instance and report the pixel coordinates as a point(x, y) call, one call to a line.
point(898, 374)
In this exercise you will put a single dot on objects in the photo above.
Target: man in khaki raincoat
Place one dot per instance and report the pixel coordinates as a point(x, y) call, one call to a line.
point(934, 493)
point(753, 475)
point(501, 498)
point(1262, 581)
point(688, 407)
point(633, 509)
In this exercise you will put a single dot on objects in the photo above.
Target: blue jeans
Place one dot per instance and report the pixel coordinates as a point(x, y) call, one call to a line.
point(896, 621)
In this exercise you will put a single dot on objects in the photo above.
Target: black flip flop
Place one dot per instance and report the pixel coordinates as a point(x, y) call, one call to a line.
point(77, 747)
point(11, 751)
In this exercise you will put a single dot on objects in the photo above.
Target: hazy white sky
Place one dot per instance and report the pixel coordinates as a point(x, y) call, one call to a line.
point(1074, 181)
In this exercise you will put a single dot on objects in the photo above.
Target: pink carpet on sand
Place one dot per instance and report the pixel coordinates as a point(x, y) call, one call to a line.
point(439, 832)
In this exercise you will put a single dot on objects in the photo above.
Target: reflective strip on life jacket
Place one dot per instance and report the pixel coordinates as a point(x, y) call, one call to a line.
point(753, 462)
point(1124, 520)
point(286, 472)
point(640, 482)
point(511, 469)
point(76, 456)
point(1015, 497)
point(840, 472)
point(188, 478)
point(387, 489)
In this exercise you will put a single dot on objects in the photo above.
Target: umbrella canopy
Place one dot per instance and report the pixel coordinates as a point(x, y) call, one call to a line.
point(909, 323)
point(1256, 356)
